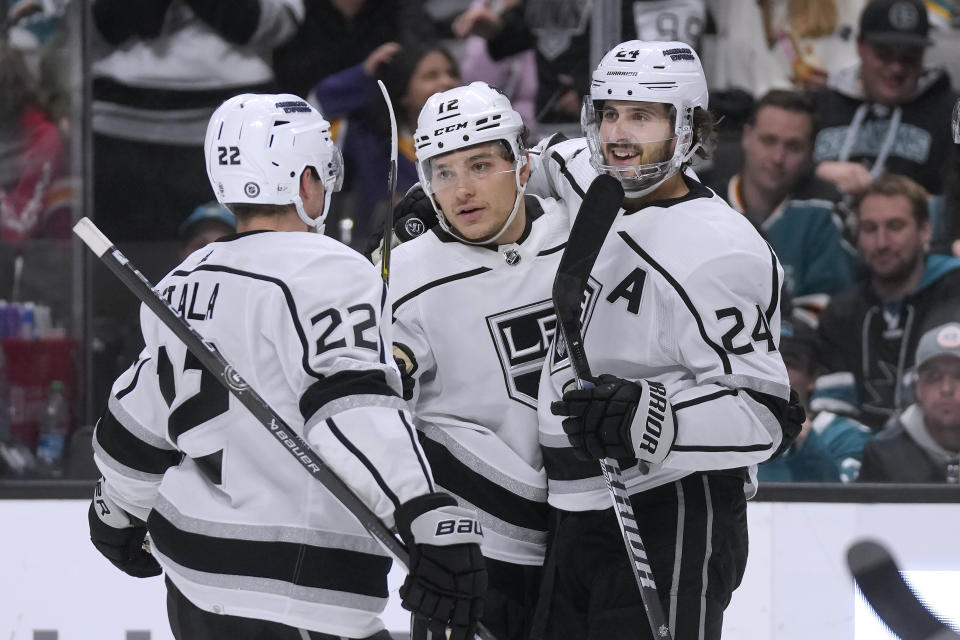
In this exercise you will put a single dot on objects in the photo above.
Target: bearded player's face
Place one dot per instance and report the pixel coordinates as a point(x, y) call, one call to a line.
point(635, 133)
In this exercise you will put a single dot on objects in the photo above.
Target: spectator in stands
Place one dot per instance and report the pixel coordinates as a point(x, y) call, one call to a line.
point(869, 333)
point(411, 72)
point(32, 156)
point(208, 223)
point(923, 444)
point(339, 34)
point(887, 113)
point(793, 209)
point(162, 68)
point(829, 446)
point(515, 75)
point(560, 34)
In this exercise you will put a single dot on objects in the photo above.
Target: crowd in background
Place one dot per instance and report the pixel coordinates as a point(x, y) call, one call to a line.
point(834, 141)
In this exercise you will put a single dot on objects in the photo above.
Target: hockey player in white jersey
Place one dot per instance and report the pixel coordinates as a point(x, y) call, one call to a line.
point(472, 321)
point(681, 321)
point(252, 546)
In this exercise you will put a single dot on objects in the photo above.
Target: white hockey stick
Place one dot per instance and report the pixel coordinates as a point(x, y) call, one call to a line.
point(224, 372)
point(391, 189)
point(597, 212)
point(880, 581)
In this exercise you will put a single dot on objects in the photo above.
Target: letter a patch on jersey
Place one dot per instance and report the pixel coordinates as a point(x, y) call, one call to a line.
point(522, 337)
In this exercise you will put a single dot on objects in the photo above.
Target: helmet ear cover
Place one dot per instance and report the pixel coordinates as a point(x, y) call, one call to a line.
point(258, 145)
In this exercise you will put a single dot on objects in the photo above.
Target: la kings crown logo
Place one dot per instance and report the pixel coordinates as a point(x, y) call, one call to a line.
point(522, 337)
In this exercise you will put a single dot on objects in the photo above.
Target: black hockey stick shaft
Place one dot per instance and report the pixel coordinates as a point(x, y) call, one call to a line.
point(599, 208)
point(881, 583)
point(228, 376)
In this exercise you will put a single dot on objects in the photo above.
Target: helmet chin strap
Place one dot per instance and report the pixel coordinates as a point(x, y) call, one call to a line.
point(446, 226)
point(313, 224)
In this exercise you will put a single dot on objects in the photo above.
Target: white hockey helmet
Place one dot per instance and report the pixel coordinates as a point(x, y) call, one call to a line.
point(640, 71)
point(463, 117)
point(258, 145)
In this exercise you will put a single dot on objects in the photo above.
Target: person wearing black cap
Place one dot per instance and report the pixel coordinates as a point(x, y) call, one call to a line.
point(923, 444)
point(887, 113)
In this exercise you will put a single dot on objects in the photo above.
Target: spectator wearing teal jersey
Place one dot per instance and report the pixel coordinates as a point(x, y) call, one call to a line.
point(794, 210)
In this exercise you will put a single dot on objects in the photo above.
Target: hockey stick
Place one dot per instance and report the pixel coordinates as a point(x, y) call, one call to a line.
point(599, 208)
point(391, 189)
point(897, 605)
point(224, 372)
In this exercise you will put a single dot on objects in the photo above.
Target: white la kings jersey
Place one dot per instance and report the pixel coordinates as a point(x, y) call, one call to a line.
point(684, 292)
point(236, 523)
point(476, 322)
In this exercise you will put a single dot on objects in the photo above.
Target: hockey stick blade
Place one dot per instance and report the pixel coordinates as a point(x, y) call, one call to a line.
point(599, 209)
point(881, 583)
point(211, 359)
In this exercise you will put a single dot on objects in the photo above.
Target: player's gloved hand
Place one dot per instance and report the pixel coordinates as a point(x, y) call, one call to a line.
point(119, 536)
point(414, 215)
point(619, 419)
point(448, 576)
point(792, 424)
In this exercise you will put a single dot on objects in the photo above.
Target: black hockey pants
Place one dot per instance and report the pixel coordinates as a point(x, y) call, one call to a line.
point(695, 534)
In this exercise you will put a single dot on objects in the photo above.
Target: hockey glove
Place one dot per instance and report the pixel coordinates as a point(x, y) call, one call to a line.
point(414, 214)
point(448, 576)
point(119, 536)
point(793, 419)
point(619, 419)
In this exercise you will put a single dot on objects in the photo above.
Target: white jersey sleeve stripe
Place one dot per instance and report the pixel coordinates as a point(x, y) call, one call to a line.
point(683, 296)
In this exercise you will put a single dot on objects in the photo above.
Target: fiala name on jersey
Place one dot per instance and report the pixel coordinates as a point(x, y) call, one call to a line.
point(522, 337)
point(193, 301)
point(558, 358)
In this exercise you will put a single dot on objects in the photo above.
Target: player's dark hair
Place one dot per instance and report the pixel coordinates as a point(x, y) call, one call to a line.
point(704, 131)
point(793, 101)
point(893, 184)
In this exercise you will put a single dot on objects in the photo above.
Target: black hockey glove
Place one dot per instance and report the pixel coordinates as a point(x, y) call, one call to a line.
point(793, 419)
point(414, 215)
point(119, 536)
point(448, 576)
point(619, 419)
